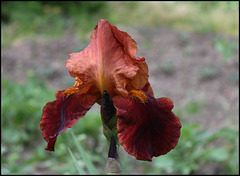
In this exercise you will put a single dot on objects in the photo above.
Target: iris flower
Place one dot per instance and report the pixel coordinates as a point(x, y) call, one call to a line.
point(145, 125)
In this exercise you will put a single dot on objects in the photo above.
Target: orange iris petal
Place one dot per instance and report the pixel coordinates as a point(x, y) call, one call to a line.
point(109, 63)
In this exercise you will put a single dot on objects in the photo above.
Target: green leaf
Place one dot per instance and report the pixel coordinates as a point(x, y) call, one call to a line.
point(109, 133)
point(84, 155)
point(227, 134)
point(216, 154)
point(193, 107)
point(79, 168)
point(3, 161)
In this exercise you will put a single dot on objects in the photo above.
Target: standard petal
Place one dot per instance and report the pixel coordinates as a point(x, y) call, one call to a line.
point(146, 128)
point(109, 62)
point(63, 113)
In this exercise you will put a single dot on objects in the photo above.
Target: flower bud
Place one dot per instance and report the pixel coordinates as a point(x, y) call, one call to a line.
point(108, 111)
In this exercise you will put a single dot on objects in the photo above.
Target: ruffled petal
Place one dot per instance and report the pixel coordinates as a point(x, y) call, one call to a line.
point(63, 113)
point(146, 127)
point(109, 63)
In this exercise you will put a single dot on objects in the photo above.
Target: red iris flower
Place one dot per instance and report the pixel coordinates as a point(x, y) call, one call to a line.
point(146, 126)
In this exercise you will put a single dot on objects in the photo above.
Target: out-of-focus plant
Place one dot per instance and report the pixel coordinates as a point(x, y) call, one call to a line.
point(21, 108)
point(209, 72)
point(225, 47)
point(48, 18)
point(234, 77)
point(198, 147)
point(20, 111)
point(85, 158)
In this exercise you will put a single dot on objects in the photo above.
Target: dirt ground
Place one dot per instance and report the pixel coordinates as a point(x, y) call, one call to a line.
point(176, 63)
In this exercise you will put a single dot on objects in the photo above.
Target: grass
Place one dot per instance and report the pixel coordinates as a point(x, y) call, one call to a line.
point(187, 16)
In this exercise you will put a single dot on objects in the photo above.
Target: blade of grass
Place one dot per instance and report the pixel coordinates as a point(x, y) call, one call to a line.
point(84, 156)
point(80, 170)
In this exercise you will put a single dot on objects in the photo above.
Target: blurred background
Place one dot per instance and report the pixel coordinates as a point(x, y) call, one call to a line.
point(191, 48)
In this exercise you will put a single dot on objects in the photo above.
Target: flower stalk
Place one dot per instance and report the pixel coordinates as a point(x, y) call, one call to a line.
point(109, 119)
point(113, 163)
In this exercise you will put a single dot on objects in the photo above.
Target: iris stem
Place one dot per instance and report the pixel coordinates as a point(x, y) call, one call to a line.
point(109, 119)
point(113, 163)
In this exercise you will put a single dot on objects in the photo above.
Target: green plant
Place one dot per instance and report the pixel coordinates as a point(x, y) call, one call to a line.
point(197, 147)
point(48, 18)
point(225, 47)
point(193, 107)
point(209, 72)
point(21, 107)
point(234, 77)
point(85, 157)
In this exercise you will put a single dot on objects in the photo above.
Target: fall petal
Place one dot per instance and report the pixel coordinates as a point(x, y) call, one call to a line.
point(51, 143)
point(146, 128)
point(109, 62)
point(63, 113)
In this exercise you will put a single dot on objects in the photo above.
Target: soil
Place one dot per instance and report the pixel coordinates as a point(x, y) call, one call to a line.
point(176, 61)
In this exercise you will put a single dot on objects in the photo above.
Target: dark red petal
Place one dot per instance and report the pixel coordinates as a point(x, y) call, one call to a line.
point(51, 143)
point(146, 129)
point(62, 114)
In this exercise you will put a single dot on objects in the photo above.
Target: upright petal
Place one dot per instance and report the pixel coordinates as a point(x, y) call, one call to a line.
point(109, 62)
point(146, 126)
point(63, 113)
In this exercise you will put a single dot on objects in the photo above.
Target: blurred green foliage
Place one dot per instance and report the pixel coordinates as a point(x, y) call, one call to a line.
point(234, 77)
point(196, 147)
point(225, 48)
point(193, 107)
point(198, 16)
point(209, 72)
point(21, 104)
point(48, 18)
point(52, 18)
